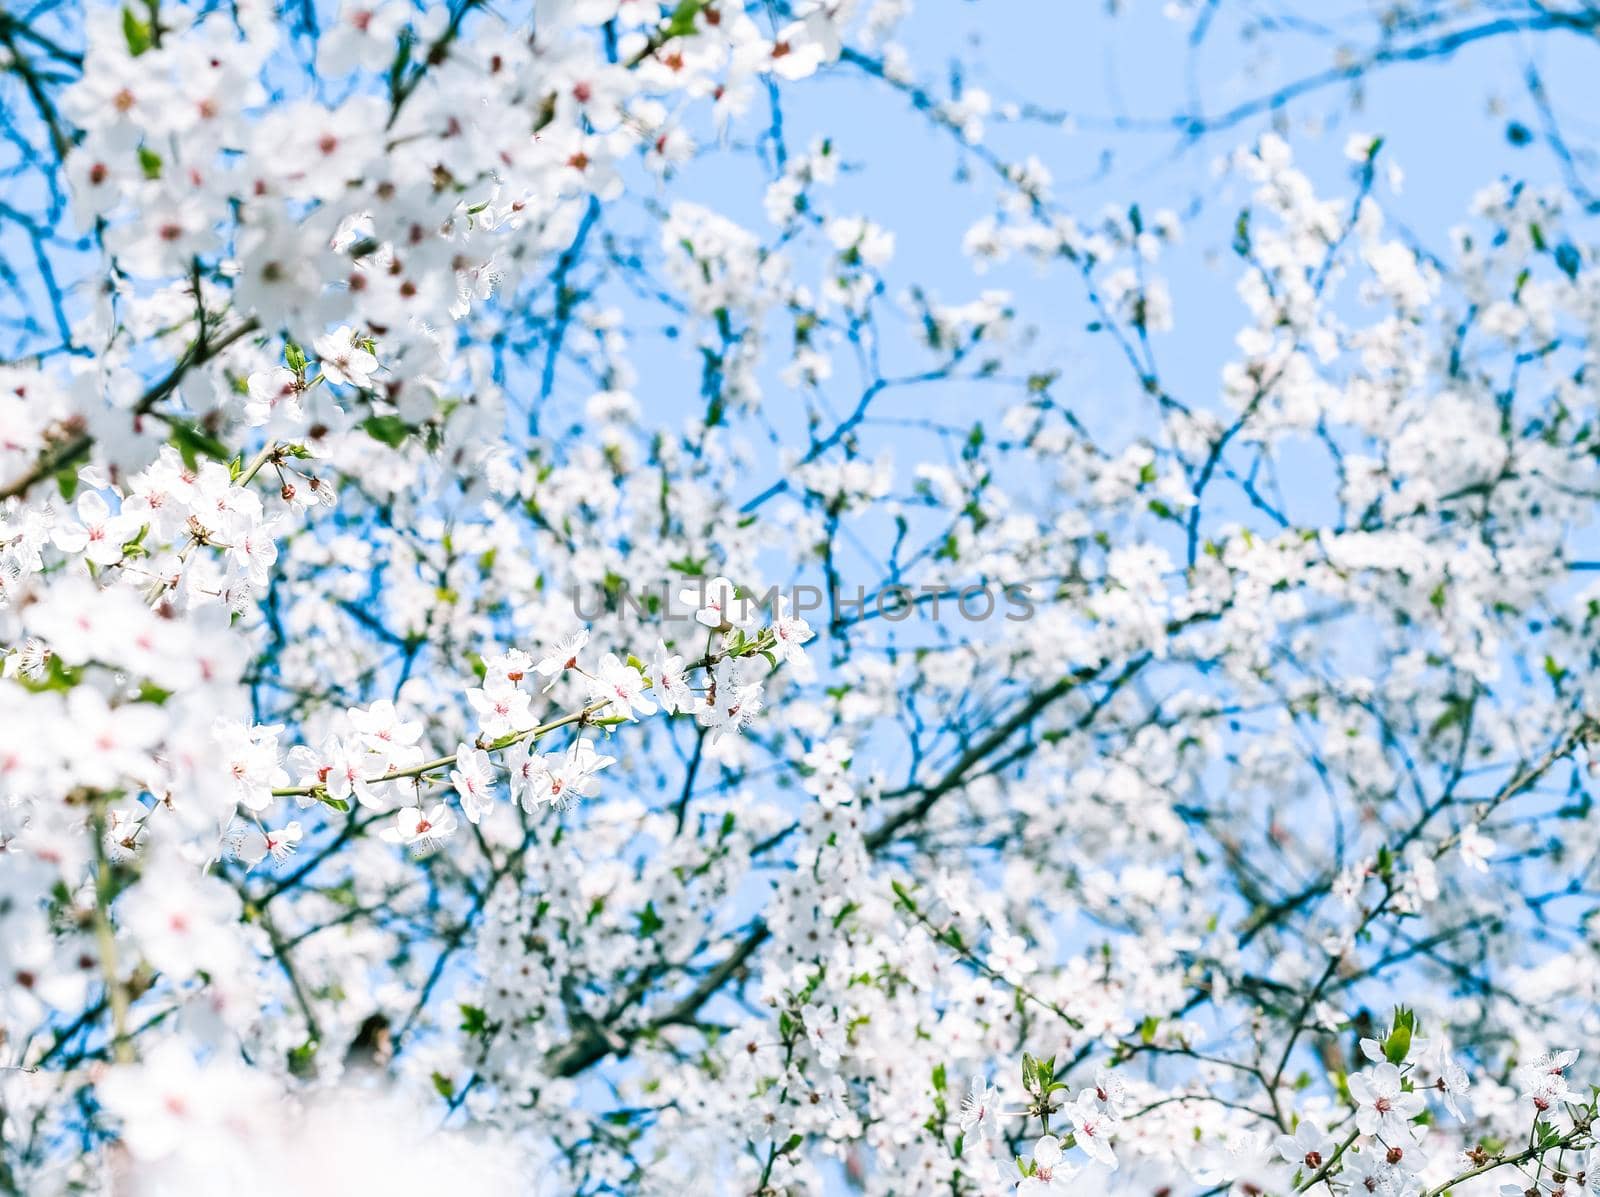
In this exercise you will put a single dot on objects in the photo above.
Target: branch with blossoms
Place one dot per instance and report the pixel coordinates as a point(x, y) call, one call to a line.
point(1384, 1152)
point(626, 689)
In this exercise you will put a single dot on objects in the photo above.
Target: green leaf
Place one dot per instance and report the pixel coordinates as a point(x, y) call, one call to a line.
point(474, 1020)
point(649, 921)
point(1398, 1044)
point(402, 60)
point(391, 430)
point(681, 23)
point(1030, 1072)
point(136, 32)
point(56, 677)
point(192, 444)
point(302, 1059)
point(149, 162)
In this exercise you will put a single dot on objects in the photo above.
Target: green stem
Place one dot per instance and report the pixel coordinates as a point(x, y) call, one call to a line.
point(105, 937)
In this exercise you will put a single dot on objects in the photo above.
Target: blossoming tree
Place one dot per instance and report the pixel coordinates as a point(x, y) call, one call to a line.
point(541, 655)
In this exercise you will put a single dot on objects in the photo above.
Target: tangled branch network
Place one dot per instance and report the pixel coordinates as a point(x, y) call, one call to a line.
point(799, 597)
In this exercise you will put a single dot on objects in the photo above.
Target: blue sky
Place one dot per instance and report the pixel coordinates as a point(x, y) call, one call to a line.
point(1122, 78)
point(1071, 56)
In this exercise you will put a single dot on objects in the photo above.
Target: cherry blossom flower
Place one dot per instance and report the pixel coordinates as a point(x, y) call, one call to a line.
point(1450, 1079)
point(256, 844)
point(342, 770)
point(1310, 1146)
point(362, 37)
point(717, 604)
point(671, 685)
point(1371, 1171)
point(161, 1103)
point(980, 1109)
point(344, 361)
point(1052, 1173)
point(789, 633)
point(1543, 1079)
point(502, 708)
point(733, 702)
point(473, 779)
point(251, 758)
point(1476, 848)
point(558, 779)
point(421, 831)
point(185, 926)
point(796, 52)
point(1110, 1091)
point(1251, 1166)
point(1092, 1126)
point(270, 389)
point(1383, 1106)
point(509, 668)
point(115, 742)
point(98, 535)
point(826, 1034)
point(382, 730)
point(622, 686)
point(561, 657)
